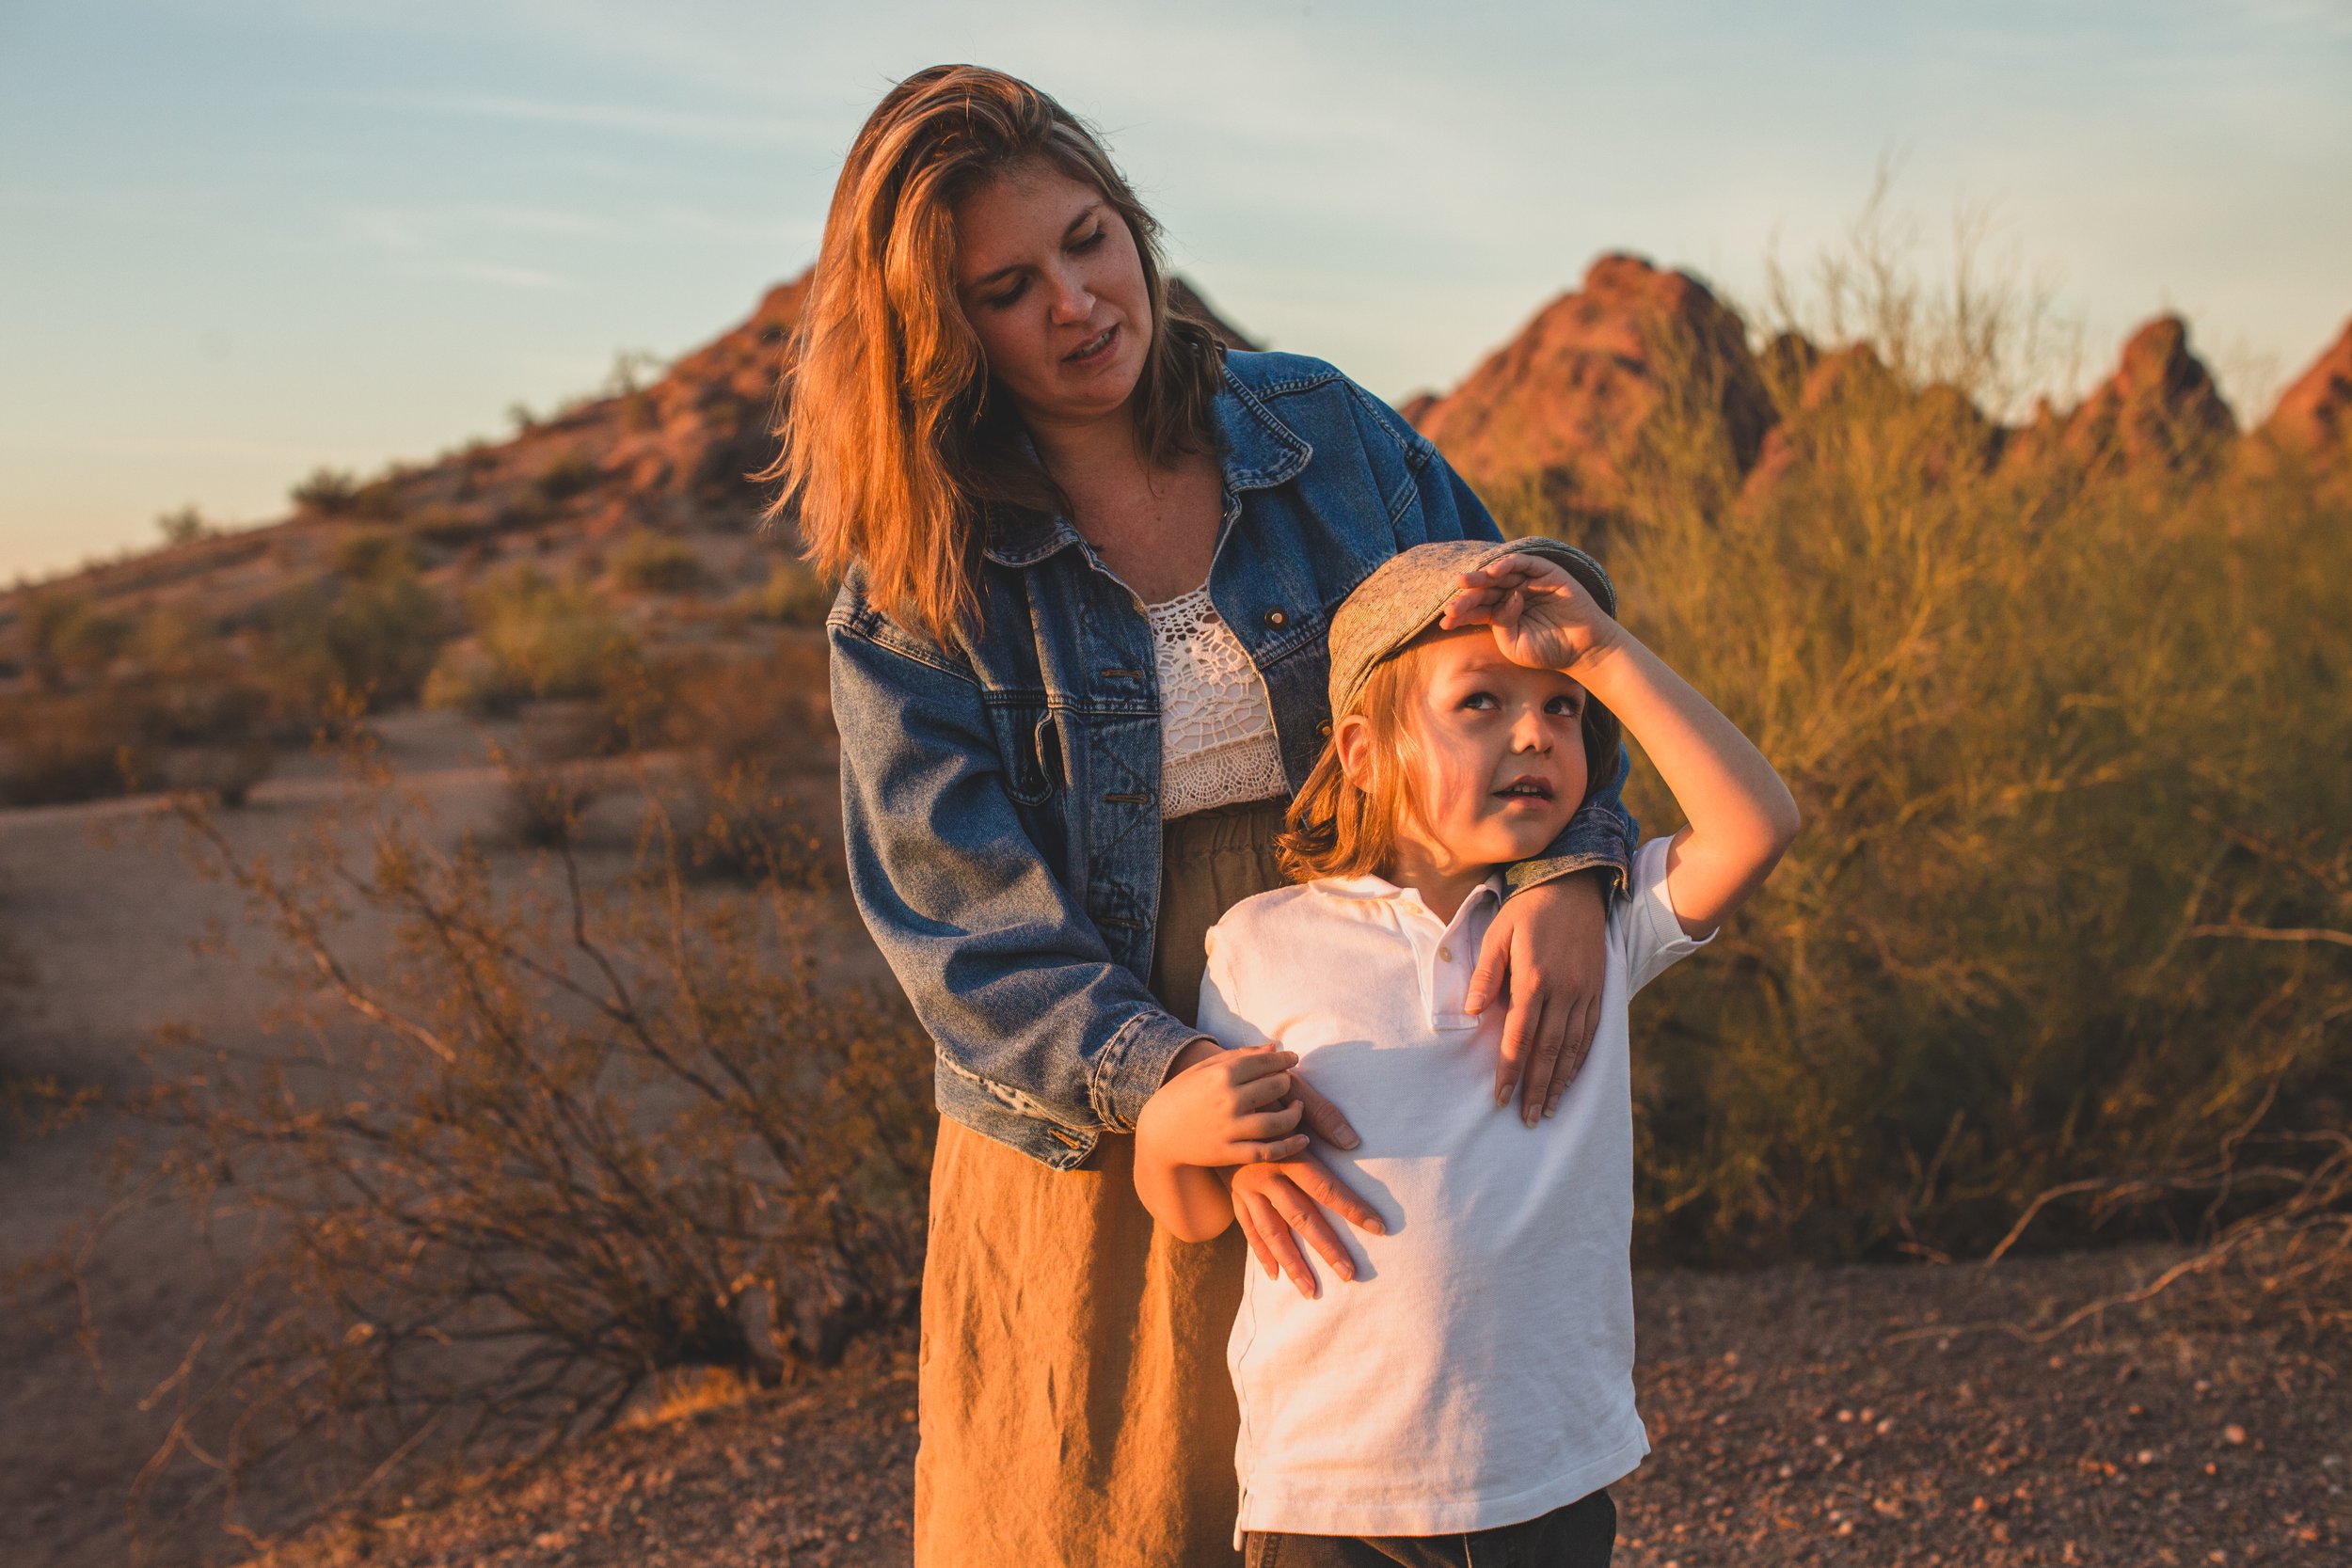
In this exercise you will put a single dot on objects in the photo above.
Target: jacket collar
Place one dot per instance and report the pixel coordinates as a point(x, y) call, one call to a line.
point(1255, 450)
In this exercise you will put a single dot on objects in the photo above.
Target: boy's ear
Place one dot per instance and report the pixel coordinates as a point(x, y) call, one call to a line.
point(1352, 738)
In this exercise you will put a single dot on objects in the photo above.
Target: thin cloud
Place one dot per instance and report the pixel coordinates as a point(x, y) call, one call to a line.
point(626, 119)
point(501, 274)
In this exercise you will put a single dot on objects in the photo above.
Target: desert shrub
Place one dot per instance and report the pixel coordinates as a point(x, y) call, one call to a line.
point(573, 1142)
point(2055, 742)
point(536, 636)
point(566, 477)
point(795, 595)
point(446, 526)
point(73, 746)
point(183, 527)
point(772, 708)
point(651, 563)
point(374, 628)
point(68, 637)
point(328, 492)
point(370, 554)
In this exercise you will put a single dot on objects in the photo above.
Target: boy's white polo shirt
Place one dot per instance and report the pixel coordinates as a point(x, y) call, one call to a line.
point(1479, 1370)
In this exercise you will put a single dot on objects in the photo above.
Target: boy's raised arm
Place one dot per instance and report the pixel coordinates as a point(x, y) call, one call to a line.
point(1742, 815)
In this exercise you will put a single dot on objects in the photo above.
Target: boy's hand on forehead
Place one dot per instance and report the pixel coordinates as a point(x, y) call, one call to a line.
point(1541, 617)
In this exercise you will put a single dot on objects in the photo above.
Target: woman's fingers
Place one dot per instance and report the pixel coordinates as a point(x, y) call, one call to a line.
point(1280, 1240)
point(1525, 1011)
point(1310, 1175)
point(1322, 1117)
point(1547, 1041)
point(1581, 1028)
point(1245, 1215)
point(1307, 1219)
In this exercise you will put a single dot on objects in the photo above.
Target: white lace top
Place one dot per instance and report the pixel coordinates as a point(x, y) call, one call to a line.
point(1216, 722)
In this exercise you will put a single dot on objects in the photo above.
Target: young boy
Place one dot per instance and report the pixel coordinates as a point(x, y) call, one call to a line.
point(1468, 1393)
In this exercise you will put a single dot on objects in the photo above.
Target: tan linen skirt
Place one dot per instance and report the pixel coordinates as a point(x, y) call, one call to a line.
point(1074, 1403)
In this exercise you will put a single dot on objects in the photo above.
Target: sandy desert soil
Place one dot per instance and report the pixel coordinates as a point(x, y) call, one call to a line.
point(1798, 1417)
point(99, 906)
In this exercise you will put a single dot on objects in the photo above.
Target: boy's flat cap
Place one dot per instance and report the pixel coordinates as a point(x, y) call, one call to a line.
point(1408, 592)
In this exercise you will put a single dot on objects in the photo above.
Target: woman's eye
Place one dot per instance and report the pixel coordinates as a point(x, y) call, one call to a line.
point(999, 301)
point(1090, 241)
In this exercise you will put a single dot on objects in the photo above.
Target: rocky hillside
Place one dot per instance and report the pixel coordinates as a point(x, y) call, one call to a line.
point(1564, 406)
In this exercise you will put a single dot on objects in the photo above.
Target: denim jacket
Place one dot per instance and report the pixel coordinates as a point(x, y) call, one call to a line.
point(1000, 795)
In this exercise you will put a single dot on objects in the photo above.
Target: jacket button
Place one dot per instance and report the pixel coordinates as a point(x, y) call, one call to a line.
point(1324, 729)
point(1276, 619)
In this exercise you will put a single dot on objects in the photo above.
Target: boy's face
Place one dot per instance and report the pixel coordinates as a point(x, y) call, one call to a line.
point(1500, 763)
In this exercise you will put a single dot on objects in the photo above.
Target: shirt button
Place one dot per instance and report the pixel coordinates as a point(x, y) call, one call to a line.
point(1324, 729)
point(1276, 619)
point(1445, 955)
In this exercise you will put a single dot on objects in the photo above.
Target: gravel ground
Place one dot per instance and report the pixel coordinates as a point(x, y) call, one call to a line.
point(1853, 1416)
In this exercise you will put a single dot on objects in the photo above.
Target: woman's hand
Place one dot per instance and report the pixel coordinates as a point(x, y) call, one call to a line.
point(1541, 616)
point(1230, 1108)
point(1280, 1200)
point(1550, 946)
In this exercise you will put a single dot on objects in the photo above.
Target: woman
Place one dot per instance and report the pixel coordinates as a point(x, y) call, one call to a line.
point(1088, 561)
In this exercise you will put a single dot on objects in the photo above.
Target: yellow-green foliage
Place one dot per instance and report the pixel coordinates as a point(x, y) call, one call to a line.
point(373, 628)
point(2059, 745)
point(793, 594)
point(534, 636)
point(650, 562)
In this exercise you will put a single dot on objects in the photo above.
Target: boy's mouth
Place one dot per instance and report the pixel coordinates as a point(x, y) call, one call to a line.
point(1526, 787)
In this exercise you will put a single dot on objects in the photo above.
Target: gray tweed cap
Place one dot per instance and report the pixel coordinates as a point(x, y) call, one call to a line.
point(1407, 595)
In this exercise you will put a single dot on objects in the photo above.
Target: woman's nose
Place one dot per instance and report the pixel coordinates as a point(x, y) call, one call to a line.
point(1072, 301)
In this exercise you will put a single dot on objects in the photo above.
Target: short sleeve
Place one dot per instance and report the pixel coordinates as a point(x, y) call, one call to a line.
point(1645, 923)
point(1221, 1016)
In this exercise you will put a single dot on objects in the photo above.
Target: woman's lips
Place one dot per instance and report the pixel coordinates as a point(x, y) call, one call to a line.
point(1095, 350)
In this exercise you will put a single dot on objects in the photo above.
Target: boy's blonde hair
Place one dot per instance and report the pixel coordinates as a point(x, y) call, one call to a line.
point(1338, 828)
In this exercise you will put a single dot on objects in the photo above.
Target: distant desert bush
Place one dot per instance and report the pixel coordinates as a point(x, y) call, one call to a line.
point(2071, 746)
point(792, 594)
point(374, 627)
point(534, 635)
point(581, 1137)
point(651, 563)
point(117, 703)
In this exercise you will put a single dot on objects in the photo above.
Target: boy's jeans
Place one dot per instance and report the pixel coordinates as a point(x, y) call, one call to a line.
point(1581, 1535)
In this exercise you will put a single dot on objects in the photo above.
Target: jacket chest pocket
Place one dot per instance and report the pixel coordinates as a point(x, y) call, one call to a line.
point(1029, 743)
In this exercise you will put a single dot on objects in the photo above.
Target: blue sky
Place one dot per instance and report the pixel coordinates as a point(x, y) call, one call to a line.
point(243, 238)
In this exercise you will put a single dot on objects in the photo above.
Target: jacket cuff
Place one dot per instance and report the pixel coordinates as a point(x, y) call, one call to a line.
point(1131, 1067)
point(1595, 840)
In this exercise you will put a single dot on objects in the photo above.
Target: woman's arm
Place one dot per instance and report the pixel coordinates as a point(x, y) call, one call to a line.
point(1007, 975)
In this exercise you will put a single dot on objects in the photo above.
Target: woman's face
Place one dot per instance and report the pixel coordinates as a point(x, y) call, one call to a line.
point(1049, 278)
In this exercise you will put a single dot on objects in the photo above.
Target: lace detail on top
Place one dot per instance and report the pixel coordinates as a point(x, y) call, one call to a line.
point(1216, 724)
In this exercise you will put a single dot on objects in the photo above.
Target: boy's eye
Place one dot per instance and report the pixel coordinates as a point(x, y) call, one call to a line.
point(1566, 707)
point(1481, 701)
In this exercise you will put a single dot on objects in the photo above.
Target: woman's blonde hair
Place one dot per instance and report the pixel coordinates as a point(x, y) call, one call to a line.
point(894, 450)
point(1337, 826)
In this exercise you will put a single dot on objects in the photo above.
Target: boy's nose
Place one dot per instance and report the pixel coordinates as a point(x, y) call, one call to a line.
point(1531, 734)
